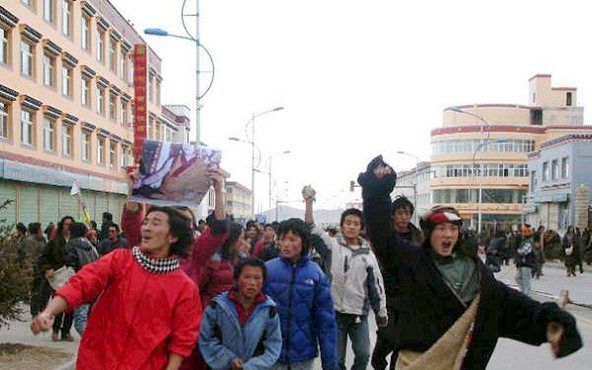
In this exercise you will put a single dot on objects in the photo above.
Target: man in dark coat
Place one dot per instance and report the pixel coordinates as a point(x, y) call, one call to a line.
point(440, 285)
point(384, 221)
point(113, 240)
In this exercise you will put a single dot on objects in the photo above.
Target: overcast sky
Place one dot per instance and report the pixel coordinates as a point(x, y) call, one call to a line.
point(357, 78)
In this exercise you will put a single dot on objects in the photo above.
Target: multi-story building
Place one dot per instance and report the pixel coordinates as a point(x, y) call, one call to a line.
point(66, 107)
point(238, 201)
point(558, 170)
point(486, 146)
point(415, 185)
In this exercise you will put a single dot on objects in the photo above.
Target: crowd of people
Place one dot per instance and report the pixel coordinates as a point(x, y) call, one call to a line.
point(178, 293)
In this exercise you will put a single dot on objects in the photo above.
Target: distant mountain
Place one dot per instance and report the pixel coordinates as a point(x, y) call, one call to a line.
point(322, 216)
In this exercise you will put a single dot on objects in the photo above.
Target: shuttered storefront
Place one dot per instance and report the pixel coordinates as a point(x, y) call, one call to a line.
point(50, 205)
point(28, 203)
point(8, 192)
point(101, 206)
point(68, 204)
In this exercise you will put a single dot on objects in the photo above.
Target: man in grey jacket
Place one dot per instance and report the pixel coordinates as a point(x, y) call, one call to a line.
point(356, 283)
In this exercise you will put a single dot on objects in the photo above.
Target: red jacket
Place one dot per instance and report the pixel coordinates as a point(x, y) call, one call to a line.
point(217, 278)
point(131, 225)
point(139, 317)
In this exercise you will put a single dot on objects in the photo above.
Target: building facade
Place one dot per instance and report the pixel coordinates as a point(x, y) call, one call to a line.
point(486, 146)
point(560, 168)
point(415, 185)
point(66, 107)
point(238, 201)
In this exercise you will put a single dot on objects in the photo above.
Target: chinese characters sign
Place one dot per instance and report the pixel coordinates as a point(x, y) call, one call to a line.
point(140, 104)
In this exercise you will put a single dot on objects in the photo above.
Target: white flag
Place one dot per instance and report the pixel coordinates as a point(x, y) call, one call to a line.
point(75, 189)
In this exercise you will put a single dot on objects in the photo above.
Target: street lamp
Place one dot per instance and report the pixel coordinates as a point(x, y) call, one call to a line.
point(481, 164)
point(269, 172)
point(415, 216)
point(252, 143)
point(198, 44)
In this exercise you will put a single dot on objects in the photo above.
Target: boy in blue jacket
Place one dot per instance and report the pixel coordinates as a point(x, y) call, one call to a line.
point(240, 329)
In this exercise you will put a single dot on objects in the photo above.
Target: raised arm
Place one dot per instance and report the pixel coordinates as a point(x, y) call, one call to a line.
point(377, 184)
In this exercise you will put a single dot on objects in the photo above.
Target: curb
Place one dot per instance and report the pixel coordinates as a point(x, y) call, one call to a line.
point(70, 365)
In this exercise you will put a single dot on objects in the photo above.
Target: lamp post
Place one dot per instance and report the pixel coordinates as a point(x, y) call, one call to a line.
point(252, 143)
point(269, 172)
point(198, 44)
point(414, 181)
point(484, 142)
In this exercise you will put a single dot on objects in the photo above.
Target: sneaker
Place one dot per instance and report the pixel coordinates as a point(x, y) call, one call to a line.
point(67, 338)
point(55, 337)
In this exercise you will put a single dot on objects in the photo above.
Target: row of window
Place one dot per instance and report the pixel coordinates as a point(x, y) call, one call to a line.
point(52, 130)
point(552, 170)
point(109, 45)
point(472, 196)
point(471, 146)
point(489, 170)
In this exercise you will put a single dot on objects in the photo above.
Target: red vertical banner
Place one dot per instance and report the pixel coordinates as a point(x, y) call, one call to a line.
point(140, 104)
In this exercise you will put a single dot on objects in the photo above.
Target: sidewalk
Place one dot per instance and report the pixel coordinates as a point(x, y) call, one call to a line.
point(20, 332)
point(559, 265)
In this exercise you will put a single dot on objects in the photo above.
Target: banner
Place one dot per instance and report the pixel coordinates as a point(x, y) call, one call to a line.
point(140, 104)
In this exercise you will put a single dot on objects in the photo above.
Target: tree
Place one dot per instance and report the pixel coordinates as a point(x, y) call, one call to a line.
point(14, 284)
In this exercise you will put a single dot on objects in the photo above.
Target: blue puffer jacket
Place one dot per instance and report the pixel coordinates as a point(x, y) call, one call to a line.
point(303, 298)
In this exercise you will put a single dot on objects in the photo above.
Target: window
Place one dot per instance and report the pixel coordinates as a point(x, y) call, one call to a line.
point(85, 33)
point(27, 127)
point(85, 146)
point(555, 169)
point(26, 2)
point(66, 81)
point(533, 180)
point(48, 134)
point(3, 120)
point(113, 55)
point(123, 163)
point(100, 101)
point(151, 88)
point(48, 71)
point(168, 134)
point(112, 154)
point(130, 75)
point(568, 101)
point(112, 107)
point(66, 17)
point(157, 92)
point(85, 92)
point(564, 168)
point(536, 117)
point(67, 140)
point(4, 45)
point(122, 113)
point(100, 45)
point(100, 150)
point(26, 59)
point(48, 10)
point(546, 171)
point(123, 66)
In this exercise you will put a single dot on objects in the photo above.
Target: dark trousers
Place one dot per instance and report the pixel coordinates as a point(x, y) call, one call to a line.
point(63, 323)
point(40, 294)
point(384, 345)
point(356, 328)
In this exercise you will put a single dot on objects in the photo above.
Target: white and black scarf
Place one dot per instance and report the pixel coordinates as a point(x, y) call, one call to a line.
point(155, 265)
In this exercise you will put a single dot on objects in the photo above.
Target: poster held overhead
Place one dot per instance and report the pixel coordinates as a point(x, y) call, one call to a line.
point(174, 174)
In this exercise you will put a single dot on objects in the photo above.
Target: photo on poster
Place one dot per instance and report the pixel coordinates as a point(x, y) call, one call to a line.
point(174, 174)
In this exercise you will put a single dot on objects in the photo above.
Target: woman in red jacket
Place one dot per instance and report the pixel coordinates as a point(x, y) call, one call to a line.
point(147, 311)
